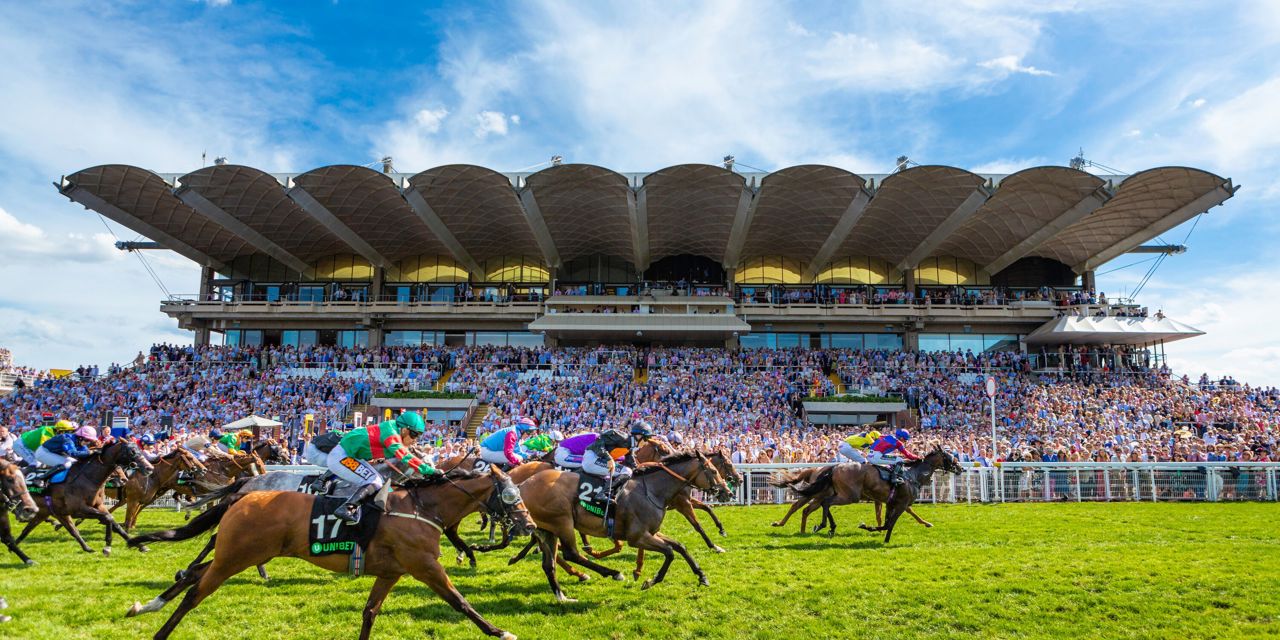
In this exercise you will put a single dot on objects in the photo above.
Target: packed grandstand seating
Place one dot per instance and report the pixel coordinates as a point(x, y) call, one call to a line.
point(1100, 407)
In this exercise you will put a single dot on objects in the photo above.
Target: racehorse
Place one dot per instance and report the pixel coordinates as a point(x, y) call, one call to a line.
point(684, 502)
point(847, 483)
point(222, 470)
point(80, 495)
point(270, 452)
point(642, 505)
point(811, 503)
point(141, 490)
point(14, 498)
point(257, 527)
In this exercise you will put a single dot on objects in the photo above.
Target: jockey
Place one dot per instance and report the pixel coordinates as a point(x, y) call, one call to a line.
point(569, 452)
point(502, 447)
point(201, 446)
point(853, 446)
point(64, 450)
point(891, 450)
point(611, 447)
point(317, 449)
point(230, 443)
point(245, 438)
point(7, 441)
point(28, 443)
point(349, 459)
point(542, 442)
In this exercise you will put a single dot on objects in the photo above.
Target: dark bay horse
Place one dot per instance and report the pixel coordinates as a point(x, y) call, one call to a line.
point(849, 483)
point(270, 451)
point(642, 505)
point(142, 489)
point(14, 498)
point(81, 494)
point(253, 528)
point(810, 503)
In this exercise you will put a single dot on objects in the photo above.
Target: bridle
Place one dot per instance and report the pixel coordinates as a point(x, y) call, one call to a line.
point(10, 498)
point(705, 470)
point(502, 504)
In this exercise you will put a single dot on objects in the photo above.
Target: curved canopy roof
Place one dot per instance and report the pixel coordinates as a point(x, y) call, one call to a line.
point(811, 214)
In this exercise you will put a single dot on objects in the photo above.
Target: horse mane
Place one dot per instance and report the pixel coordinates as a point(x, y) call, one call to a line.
point(668, 460)
point(438, 479)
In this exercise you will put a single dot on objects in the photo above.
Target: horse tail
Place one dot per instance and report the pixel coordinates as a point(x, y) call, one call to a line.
point(198, 525)
point(788, 479)
point(820, 483)
point(217, 494)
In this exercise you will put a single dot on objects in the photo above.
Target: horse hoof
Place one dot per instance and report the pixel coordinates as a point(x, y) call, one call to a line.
point(460, 557)
point(928, 525)
point(563, 599)
point(180, 575)
point(704, 581)
point(473, 564)
point(619, 577)
point(134, 610)
point(583, 578)
point(717, 549)
point(507, 635)
point(106, 552)
point(143, 549)
point(775, 524)
point(646, 585)
point(30, 563)
point(4, 619)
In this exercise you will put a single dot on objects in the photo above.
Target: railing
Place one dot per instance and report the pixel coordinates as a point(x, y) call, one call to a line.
point(1063, 482)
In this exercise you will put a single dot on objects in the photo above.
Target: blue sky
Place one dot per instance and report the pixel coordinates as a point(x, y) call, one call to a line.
point(987, 85)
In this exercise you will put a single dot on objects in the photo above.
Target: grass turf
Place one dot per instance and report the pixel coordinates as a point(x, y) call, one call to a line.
point(1007, 571)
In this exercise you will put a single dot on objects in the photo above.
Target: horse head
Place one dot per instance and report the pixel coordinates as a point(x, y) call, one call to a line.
point(708, 478)
point(506, 505)
point(122, 452)
point(13, 493)
point(724, 464)
point(941, 459)
point(188, 461)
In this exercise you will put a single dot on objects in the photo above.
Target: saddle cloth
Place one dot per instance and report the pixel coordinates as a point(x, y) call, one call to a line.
point(329, 535)
point(593, 492)
point(57, 478)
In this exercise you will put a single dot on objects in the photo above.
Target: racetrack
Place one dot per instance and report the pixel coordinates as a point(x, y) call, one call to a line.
point(1007, 571)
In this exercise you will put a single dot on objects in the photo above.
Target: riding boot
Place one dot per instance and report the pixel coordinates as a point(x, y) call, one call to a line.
point(347, 510)
point(897, 475)
point(320, 484)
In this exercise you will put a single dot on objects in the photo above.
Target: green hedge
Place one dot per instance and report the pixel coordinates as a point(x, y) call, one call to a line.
point(853, 398)
point(426, 395)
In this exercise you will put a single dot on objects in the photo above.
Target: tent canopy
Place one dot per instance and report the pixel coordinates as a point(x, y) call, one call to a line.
point(1110, 331)
point(249, 423)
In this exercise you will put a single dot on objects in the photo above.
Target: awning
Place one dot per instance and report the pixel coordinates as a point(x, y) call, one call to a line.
point(1093, 330)
point(249, 423)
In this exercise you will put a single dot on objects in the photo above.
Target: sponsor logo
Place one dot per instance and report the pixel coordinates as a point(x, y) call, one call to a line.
point(350, 463)
point(321, 548)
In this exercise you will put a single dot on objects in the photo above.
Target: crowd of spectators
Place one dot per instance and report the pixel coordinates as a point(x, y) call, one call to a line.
point(748, 401)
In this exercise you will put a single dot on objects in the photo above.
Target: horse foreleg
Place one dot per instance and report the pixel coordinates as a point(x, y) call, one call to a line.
point(685, 507)
point(795, 506)
point(184, 580)
point(211, 577)
point(429, 571)
point(702, 506)
point(890, 521)
point(922, 521)
point(650, 542)
point(617, 548)
point(35, 522)
point(586, 545)
point(373, 606)
point(879, 508)
point(75, 533)
point(523, 552)
point(7, 538)
point(262, 572)
point(464, 550)
point(547, 545)
point(827, 517)
point(571, 553)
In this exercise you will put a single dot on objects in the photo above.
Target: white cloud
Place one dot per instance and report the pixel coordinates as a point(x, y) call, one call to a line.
point(1013, 64)
point(218, 3)
point(19, 239)
point(429, 119)
point(490, 123)
point(1009, 165)
point(1198, 102)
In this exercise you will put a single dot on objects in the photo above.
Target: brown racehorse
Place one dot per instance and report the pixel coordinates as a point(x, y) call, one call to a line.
point(14, 498)
point(271, 452)
point(684, 502)
point(801, 478)
point(642, 505)
point(142, 489)
point(253, 528)
point(221, 471)
point(80, 495)
point(848, 483)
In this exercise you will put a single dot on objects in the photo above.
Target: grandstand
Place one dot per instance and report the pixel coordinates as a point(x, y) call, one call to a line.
point(929, 257)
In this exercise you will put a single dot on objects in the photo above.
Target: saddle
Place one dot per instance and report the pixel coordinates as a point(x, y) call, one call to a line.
point(40, 479)
point(891, 474)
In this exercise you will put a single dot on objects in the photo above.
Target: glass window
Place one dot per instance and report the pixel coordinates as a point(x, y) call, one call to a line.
point(882, 341)
point(999, 342)
point(252, 338)
point(842, 340)
point(311, 294)
point(518, 339)
point(357, 338)
point(403, 338)
point(403, 294)
point(489, 338)
point(273, 293)
point(231, 338)
point(934, 342)
point(289, 338)
point(757, 341)
point(792, 340)
point(966, 342)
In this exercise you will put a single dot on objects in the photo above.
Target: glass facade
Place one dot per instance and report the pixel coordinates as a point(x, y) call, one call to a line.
point(303, 338)
point(975, 342)
point(946, 270)
point(354, 338)
point(769, 270)
point(412, 338)
point(771, 340)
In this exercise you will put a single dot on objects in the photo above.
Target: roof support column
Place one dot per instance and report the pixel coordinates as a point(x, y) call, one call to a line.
point(939, 235)
point(1076, 213)
point(844, 225)
point(1089, 281)
point(92, 202)
point(428, 215)
point(332, 223)
point(741, 224)
point(539, 226)
point(638, 210)
point(197, 201)
point(1207, 201)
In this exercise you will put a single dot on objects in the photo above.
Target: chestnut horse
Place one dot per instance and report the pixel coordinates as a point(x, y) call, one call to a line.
point(141, 489)
point(81, 494)
point(14, 498)
point(802, 478)
point(256, 527)
point(642, 504)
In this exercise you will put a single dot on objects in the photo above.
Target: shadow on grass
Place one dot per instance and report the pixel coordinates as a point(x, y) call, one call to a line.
point(437, 609)
point(825, 543)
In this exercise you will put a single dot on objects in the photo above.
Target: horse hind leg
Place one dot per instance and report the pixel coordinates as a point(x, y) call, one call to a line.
point(922, 521)
point(183, 581)
point(75, 533)
point(373, 606)
point(651, 542)
point(432, 574)
point(795, 506)
point(210, 579)
point(693, 564)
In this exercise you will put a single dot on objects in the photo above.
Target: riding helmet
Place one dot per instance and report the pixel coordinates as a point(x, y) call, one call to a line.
point(902, 434)
point(412, 421)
